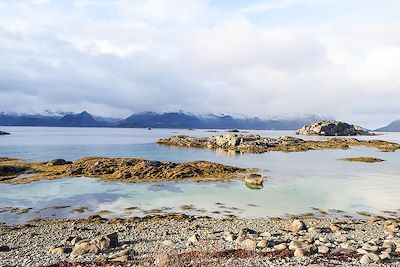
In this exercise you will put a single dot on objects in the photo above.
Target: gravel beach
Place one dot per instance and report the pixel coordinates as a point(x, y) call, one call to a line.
point(180, 240)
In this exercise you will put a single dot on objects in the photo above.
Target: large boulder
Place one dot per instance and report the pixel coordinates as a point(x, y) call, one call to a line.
point(332, 128)
point(3, 133)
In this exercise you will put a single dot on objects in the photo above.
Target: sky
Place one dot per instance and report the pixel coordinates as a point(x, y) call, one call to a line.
point(334, 58)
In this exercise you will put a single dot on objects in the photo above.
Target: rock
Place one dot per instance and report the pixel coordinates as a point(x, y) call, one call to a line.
point(262, 243)
point(6, 170)
point(249, 244)
point(4, 248)
point(390, 225)
point(370, 247)
point(298, 253)
point(370, 258)
point(362, 251)
point(123, 258)
point(102, 242)
point(332, 128)
point(254, 179)
point(323, 249)
point(168, 243)
point(193, 239)
point(388, 244)
point(58, 162)
point(297, 226)
point(229, 237)
point(84, 248)
point(266, 234)
point(126, 252)
point(341, 239)
point(280, 246)
point(385, 256)
point(335, 228)
point(57, 250)
point(3, 133)
point(297, 244)
point(374, 219)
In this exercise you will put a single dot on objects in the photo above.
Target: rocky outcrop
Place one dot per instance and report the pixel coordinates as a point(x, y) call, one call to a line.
point(3, 133)
point(7, 171)
point(120, 169)
point(257, 144)
point(332, 128)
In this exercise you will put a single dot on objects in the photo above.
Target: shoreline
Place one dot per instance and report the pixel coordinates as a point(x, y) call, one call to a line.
point(177, 240)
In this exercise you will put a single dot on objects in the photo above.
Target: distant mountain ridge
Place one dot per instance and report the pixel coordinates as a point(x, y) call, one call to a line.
point(179, 119)
point(392, 127)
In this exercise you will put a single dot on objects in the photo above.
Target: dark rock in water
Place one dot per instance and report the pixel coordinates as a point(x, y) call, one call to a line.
point(234, 131)
point(11, 170)
point(332, 128)
point(3, 133)
point(254, 179)
point(58, 162)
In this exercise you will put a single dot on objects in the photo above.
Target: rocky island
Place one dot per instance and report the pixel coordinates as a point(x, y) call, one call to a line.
point(117, 169)
point(257, 144)
point(332, 128)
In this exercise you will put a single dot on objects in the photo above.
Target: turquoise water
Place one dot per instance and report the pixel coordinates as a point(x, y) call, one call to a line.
point(296, 182)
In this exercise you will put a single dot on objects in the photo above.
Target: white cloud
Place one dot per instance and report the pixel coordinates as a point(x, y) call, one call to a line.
point(165, 55)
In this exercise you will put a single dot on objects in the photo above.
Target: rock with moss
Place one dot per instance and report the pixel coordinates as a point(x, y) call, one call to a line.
point(332, 128)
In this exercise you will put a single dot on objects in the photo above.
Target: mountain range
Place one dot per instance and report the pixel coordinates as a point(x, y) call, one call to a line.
point(179, 119)
point(392, 127)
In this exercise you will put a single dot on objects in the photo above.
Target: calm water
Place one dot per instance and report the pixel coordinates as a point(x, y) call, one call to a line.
point(297, 181)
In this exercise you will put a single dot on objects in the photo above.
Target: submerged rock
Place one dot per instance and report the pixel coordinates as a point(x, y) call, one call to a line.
point(254, 179)
point(332, 128)
point(58, 162)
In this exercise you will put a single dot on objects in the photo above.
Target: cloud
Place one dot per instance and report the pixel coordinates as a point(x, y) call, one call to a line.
point(117, 57)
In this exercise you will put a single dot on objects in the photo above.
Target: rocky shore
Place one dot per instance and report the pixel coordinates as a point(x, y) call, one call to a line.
point(179, 240)
point(114, 169)
point(257, 144)
point(332, 128)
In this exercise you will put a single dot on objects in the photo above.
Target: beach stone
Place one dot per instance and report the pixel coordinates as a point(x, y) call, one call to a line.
point(299, 252)
point(362, 251)
point(297, 226)
point(4, 248)
point(370, 247)
point(297, 244)
point(58, 162)
point(266, 234)
point(390, 225)
point(229, 237)
point(335, 228)
point(84, 248)
point(262, 243)
point(123, 258)
point(280, 246)
point(323, 249)
point(102, 242)
point(388, 244)
point(370, 258)
point(57, 250)
point(193, 239)
point(254, 179)
point(162, 260)
point(113, 237)
point(374, 219)
point(249, 244)
point(342, 239)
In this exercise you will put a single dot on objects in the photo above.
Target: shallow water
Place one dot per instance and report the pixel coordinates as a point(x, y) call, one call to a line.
point(296, 182)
